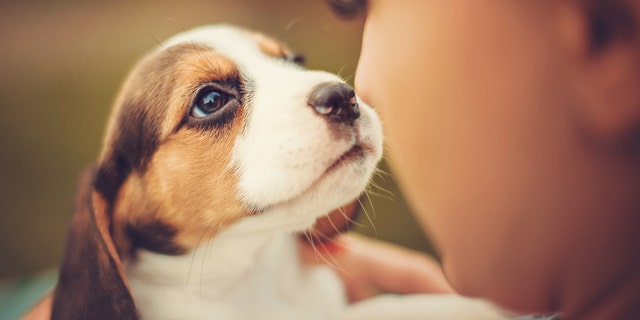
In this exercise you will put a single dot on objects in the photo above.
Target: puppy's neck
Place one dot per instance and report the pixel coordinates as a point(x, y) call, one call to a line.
point(239, 266)
point(213, 267)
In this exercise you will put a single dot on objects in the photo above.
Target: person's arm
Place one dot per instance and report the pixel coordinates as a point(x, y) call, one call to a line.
point(369, 267)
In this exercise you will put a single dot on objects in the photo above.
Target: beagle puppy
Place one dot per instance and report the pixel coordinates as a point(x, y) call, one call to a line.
point(219, 151)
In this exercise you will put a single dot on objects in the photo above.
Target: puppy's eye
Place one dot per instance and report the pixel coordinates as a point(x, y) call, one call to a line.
point(296, 58)
point(208, 102)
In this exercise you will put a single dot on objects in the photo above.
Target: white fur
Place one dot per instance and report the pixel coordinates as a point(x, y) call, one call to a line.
point(247, 272)
point(252, 270)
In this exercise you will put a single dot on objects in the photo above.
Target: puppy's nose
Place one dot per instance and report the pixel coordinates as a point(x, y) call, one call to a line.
point(336, 101)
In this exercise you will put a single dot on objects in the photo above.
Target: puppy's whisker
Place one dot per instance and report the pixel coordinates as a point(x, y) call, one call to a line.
point(373, 208)
point(385, 149)
point(381, 195)
point(382, 173)
point(161, 45)
point(348, 78)
point(349, 219)
point(207, 251)
point(339, 73)
point(332, 240)
point(371, 191)
point(310, 239)
point(335, 228)
point(198, 247)
point(206, 62)
point(366, 214)
point(291, 24)
point(324, 238)
point(384, 194)
point(373, 186)
point(388, 194)
point(179, 26)
point(176, 23)
point(181, 58)
point(333, 263)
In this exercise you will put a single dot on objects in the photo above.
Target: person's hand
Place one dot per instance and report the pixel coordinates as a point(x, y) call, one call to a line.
point(369, 267)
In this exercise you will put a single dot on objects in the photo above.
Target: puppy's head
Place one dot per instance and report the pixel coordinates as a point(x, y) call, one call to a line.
point(217, 125)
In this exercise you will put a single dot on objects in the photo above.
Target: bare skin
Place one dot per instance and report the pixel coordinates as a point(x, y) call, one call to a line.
point(369, 267)
point(514, 128)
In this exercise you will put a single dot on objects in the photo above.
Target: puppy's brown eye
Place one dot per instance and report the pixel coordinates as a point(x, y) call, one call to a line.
point(208, 102)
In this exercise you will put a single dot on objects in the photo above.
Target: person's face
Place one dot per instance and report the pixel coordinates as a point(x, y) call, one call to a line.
point(477, 98)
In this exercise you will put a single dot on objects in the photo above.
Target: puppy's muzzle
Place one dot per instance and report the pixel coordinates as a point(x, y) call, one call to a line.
point(336, 101)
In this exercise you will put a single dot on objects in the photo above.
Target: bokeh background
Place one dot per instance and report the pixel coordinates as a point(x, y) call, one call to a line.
point(61, 64)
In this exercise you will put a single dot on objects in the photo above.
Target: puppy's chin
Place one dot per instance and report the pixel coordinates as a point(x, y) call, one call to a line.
point(342, 180)
point(342, 183)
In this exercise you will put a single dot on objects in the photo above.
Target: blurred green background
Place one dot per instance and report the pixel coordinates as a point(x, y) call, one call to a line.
point(61, 63)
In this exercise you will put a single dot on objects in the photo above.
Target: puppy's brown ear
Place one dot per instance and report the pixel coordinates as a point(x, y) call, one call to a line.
point(91, 284)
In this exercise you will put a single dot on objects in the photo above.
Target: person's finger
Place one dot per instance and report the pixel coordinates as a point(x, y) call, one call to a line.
point(369, 267)
point(397, 269)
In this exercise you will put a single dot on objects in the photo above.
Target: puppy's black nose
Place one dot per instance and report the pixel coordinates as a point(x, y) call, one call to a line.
point(336, 101)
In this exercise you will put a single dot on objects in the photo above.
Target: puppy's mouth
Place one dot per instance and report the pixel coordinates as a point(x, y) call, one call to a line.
point(357, 152)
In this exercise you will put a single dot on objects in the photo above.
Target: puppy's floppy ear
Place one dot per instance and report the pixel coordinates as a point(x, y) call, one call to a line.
point(91, 284)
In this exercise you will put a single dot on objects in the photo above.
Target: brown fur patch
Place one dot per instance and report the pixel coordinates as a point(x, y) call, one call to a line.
point(170, 184)
point(275, 48)
point(191, 180)
point(269, 46)
point(188, 186)
point(91, 280)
